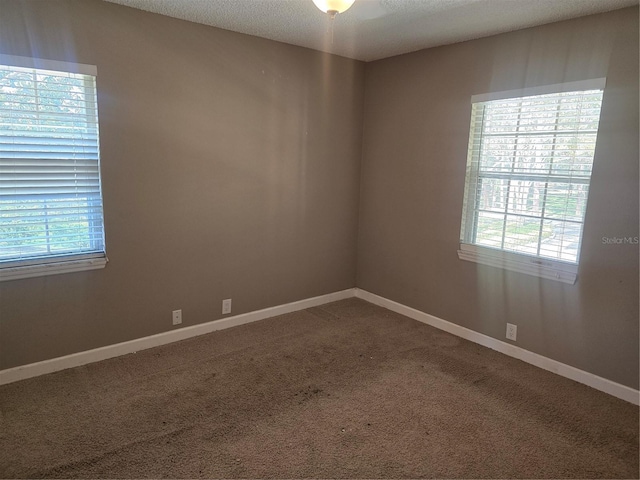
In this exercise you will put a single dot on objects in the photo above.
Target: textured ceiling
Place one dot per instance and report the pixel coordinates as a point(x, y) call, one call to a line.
point(374, 29)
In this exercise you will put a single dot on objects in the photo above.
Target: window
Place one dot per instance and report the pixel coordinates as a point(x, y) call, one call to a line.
point(50, 198)
point(528, 174)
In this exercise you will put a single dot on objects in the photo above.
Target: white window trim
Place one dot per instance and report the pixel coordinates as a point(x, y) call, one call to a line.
point(50, 266)
point(53, 267)
point(591, 84)
point(43, 64)
point(518, 262)
point(565, 272)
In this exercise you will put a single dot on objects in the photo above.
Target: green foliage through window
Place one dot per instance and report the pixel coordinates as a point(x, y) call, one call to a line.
point(529, 171)
point(50, 199)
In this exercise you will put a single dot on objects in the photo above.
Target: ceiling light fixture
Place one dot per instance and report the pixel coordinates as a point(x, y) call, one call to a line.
point(333, 7)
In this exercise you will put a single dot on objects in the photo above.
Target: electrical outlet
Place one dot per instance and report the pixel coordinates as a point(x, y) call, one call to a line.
point(177, 317)
point(226, 306)
point(512, 331)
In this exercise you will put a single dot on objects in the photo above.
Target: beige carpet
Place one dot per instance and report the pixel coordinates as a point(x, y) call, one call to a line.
point(346, 390)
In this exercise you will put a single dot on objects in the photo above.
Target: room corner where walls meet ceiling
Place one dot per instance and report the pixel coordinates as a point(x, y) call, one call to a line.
point(375, 29)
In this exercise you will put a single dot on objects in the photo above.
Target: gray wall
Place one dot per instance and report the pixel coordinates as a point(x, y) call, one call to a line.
point(230, 170)
point(417, 111)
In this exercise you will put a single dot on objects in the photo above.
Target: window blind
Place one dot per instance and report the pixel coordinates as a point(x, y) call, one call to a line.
point(50, 195)
point(528, 173)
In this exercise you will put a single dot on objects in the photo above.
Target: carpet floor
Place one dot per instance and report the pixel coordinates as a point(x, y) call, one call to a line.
point(345, 390)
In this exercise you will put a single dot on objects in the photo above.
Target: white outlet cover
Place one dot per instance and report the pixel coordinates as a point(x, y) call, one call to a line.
point(177, 317)
point(226, 306)
point(512, 331)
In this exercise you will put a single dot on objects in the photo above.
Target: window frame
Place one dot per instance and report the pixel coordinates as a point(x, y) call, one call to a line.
point(530, 264)
point(68, 262)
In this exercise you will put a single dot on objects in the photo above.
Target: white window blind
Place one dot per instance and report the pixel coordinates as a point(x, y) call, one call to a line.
point(528, 174)
point(50, 195)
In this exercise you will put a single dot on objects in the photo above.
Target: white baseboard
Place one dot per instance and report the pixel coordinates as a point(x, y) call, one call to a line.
point(599, 383)
point(82, 358)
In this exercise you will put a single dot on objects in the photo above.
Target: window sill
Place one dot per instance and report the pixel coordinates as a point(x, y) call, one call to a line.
point(539, 267)
point(54, 268)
